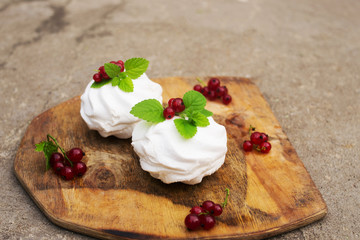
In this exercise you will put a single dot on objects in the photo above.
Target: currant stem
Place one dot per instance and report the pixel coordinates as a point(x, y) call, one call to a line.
point(201, 82)
point(61, 149)
point(204, 213)
point(251, 128)
point(226, 197)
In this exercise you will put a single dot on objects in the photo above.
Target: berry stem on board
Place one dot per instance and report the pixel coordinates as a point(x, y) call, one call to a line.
point(61, 149)
point(201, 82)
point(204, 213)
point(226, 197)
point(251, 128)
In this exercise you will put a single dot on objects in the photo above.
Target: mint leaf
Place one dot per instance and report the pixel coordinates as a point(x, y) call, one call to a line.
point(185, 128)
point(194, 100)
point(122, 75)
point(200, 119)
point(135, 67)
point(48, 148)
point(115, 81)
point(150, 110)
point(100, 84)
point(207, 113)
point(126, 85)
point(112, 70)
point(40, 146)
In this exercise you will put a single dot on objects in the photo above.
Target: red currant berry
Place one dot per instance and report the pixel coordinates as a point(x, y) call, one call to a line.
point(75, 154)
point(79, 169)
point(192, 221)
point(220, 91)
point(198, 88)
point(112, 62)
point(213, 83)
point(197, 210)
point(57, 167)
point(226, 90)
point(265, 147)
point(226, 99)
point(169, 113)
point(103, 73)
point(256, 138)
point(208, 206)
point(121, 65)
point(205, 91)
point(212, 95)
point(178, 105)
point(67, 173)
point(170, 102)
point(56, 157)
point(247, 146)
point(217, 210)
point(207, 221)
point(265, 137)
point(97, 77)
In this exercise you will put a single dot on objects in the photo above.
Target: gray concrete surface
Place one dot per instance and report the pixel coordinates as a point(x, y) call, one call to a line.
point(303, 55)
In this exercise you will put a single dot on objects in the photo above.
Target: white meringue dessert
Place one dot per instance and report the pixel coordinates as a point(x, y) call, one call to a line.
point(168, 156)
point(107, 109)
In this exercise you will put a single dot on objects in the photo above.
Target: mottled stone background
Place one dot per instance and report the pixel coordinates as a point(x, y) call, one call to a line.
point(303, 55)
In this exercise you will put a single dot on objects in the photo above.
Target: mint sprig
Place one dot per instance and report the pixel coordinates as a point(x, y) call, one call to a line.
point(194, 115)
point(134, 68)
point(49, 147)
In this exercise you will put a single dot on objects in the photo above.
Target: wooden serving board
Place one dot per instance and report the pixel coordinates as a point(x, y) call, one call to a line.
point(270, 193)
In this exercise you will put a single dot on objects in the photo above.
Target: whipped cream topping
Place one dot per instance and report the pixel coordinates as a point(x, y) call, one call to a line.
point(168, 156)
point(107, 109)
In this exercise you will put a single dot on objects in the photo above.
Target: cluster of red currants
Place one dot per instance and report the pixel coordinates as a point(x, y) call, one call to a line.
point(175, 105)
point(214, 90)
point(70, 166)
point(101, 74)
point(258, 141)
point(204, 215)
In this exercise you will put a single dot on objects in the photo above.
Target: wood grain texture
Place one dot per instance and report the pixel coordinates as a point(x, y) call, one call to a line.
point(270, 193)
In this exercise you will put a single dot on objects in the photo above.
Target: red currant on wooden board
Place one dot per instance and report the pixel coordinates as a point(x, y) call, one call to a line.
point(79, 169)
point(207, 221)
point(204, 215)
point(75, 154)
point(265, 147)
point(226, 99)
point(67, 165)
point(248, 146)
point(258, 141)
point(197, 210)
point(213, 90)
point(192, 221)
